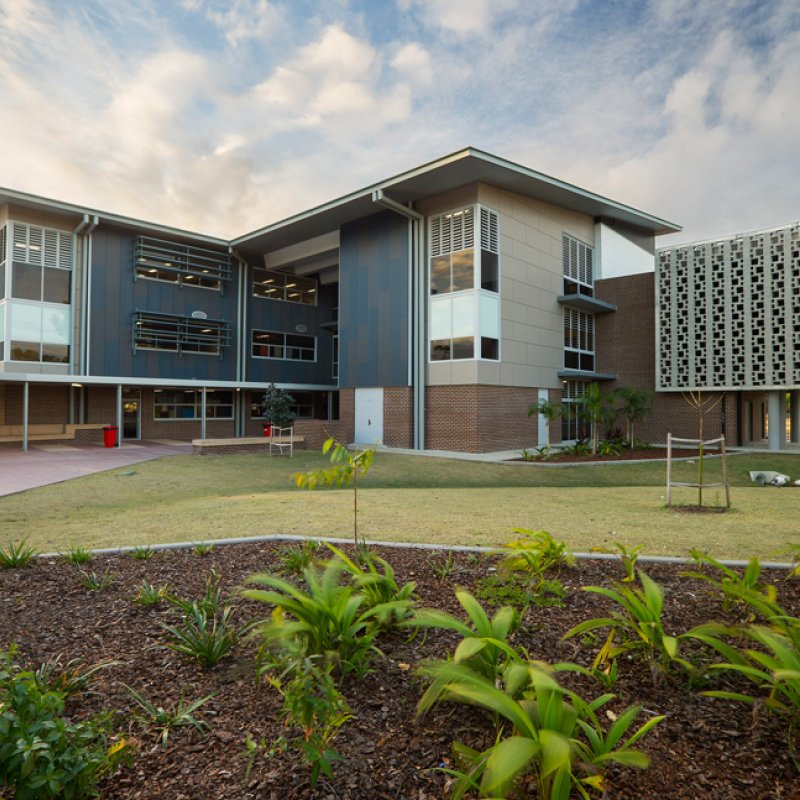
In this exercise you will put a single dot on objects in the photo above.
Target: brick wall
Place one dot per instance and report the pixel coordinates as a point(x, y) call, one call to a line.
point(398, 416)
point(46, 404)
point(479, 418)
point(626, 345)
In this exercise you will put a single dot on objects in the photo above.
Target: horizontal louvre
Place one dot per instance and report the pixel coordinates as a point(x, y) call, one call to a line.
point(41, 246)
point(489, 240)
point(156, 331)
point(452, 232)
point(154, 256)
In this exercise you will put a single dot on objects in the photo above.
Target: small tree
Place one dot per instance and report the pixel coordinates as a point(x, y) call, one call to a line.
point(593, 406)
point(550, 411)
point(635, 406)
point(348, 466)
point(277, 405)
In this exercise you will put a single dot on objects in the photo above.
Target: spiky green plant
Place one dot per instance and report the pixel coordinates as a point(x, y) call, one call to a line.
point(16, 555)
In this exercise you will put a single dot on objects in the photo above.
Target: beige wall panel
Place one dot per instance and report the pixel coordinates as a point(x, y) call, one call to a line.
point(451, 201)
point(43, 218)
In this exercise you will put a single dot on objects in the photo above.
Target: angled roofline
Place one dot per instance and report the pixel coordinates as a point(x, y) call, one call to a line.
point(25, 199)
point(510, 168)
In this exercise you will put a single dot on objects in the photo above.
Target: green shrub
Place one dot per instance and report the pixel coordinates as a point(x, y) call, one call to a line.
point(142, 553)
point(43, 755)
point(535, 553)
point(16, 555)
point(150, 595)
point(77, 556)
point(166, 719)
point(203, 636)
point(296, 558)
point(96, 583)
point(555, 735)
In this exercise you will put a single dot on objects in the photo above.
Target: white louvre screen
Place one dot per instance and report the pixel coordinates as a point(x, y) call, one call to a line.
point(452, 232)
point(41, 246)
point(3, 242)
point(578, 260)
point(489, 238)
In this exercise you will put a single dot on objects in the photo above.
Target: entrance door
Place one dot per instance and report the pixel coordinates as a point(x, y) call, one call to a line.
point(131, 414)
point(369, 416)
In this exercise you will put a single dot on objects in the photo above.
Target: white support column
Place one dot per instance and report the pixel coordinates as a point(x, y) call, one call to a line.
point(119, 415)
point(25, 402)
point(543, 434)
point(776, 420)
point(794, 403)
point(203, 414)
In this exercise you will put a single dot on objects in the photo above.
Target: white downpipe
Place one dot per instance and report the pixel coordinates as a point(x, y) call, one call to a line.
point(25, 404)
point(203, 414)
point(417, 295)
point(76, 357)
point(119, 415)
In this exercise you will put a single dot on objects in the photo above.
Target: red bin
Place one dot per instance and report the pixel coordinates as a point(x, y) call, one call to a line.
point(110, 435)
point(268, 429)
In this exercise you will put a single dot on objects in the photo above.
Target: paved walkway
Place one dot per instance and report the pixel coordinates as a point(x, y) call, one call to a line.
point(53, 463)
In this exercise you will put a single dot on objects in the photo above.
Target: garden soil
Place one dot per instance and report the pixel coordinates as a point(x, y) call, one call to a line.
point(705, 748)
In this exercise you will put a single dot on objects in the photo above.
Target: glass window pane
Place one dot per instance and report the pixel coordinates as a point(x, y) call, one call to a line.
point(27, 282)
point(488, 271)
point(55, 353)
point(463, 347)
point(441, 326)
point(24, 351)
point(489, 348)
point(56, 286)
point(489, 315)
point(440, 350)
point(26, 322)
point(440, 275)
point(463, 315)
point(56, 325)
point(463, 272)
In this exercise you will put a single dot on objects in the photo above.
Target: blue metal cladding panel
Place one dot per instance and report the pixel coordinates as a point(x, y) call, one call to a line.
point(280, 316)
point(374, 308)
point(116, 295)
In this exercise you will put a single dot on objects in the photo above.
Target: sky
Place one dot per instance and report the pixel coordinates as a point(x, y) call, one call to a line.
point(223, 116)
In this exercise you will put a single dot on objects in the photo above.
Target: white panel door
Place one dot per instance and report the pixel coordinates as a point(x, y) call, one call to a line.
point(369, 416)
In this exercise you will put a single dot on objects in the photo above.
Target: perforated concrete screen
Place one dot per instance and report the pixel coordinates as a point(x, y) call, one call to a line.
point(728, 313)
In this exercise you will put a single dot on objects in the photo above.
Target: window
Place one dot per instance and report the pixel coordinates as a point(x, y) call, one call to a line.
point(578, 273)
point(41, 264)
point(188, 404)
point(155, 331)
point(578, 340)
point(285, 346)
point(185, 265)
point(464, 317)
point(307, 405)
point(335, 357)
point(282, 286)
point(573, 426)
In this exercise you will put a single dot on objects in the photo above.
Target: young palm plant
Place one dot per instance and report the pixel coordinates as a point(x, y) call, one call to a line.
point(555, 735)
point(638, 625)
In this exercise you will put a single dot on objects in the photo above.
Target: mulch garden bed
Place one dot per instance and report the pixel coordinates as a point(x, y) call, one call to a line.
point(704, 748)
point(626, 454)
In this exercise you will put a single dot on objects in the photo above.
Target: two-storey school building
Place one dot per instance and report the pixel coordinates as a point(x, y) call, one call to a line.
point(427, 311)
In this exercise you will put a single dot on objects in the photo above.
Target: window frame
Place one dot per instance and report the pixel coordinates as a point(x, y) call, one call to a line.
point(190, 265)
point(196, 404)
point(183, 333)
point(283, 345)
point(279, 283)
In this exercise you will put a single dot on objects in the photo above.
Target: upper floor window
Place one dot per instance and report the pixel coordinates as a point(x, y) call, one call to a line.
point(578, 266)
point(186, 265)
point(156, 331)
point(464, 312)
point(578, 340)
point(282, 286)
point(285, 346)
point(41, 263)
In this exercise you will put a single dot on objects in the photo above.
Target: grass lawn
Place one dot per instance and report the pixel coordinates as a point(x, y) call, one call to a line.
point(409, 498)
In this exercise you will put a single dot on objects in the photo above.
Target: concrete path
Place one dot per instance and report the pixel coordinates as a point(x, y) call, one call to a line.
point(53, 463)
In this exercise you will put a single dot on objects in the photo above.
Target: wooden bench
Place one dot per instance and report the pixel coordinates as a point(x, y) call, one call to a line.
point(45, 432)
point(239, 444)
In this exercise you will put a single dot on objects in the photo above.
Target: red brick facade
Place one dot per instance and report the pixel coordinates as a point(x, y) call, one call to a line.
point(480, 418)
point(626, 346)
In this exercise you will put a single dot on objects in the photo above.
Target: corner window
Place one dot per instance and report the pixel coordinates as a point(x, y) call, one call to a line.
point(573, 426)
point(464, 306)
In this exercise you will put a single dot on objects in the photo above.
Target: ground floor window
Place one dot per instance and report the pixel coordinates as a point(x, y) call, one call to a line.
point(188, 404)
point(574, 426)
point(307, 405)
